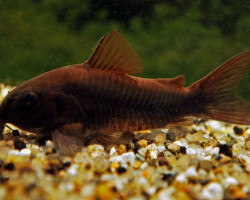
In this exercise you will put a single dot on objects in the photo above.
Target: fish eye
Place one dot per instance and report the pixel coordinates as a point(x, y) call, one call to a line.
point(29, 98)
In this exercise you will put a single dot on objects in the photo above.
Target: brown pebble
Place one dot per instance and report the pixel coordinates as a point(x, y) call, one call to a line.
point(178, 133)
point(19, 144)
point(163, 161)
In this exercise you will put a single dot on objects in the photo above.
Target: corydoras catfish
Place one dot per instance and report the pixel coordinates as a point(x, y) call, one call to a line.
point(98, 101)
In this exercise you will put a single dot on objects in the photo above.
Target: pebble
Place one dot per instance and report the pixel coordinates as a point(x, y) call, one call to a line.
point(128, 157)
point(231, 181)
point(170, 136)
point(143, 143)
point(160, 138)
point(191, 172)
point(238, 130)
point(173, 147)
point(212, 191)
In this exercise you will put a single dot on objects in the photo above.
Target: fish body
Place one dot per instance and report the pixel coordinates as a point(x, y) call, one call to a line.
point(98, 101)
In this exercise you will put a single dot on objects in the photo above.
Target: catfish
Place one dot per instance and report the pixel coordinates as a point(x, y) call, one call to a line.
point(98, 101)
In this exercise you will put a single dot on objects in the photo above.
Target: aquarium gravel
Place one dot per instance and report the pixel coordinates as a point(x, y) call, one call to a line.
point(210, 160)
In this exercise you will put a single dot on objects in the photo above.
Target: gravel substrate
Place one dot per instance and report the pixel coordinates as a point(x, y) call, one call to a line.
point(211, 160)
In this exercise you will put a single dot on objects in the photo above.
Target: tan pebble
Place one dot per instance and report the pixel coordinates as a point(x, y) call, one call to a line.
point(173, 147)
point(101, 164)
point(137, 164)
point(10, 143)
point(143, 143)
point(114, 165)
point(8, 136)
point(206, 165)
point(234, 192)
point(145, 173)
point(95, 147)
point(105, 191)
point(122, 149)
point(160, 138)
point(225, 160)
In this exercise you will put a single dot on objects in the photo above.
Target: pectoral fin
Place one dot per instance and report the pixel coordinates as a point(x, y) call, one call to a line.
point(66, 145)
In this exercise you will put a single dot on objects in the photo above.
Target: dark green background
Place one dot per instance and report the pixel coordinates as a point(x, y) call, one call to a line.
point(173, 37)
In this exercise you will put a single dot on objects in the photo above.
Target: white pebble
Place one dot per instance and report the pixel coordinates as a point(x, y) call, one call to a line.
point(182, 142)
point(25, 152)
point(49, 143)
point(161, 148)
point(215, 151)
point(190, 151)
point(151, 190)
point(115, 159)
point(153, 154)
point(13, 152)
point(128, 157)
point(152, 147)
point(142, 151)
point(212, 191)
point(191, 172)
point(217, 126)
point(144, 165)
point(181, 178)
point(73, 169)
point(112, 151)
point(231, 181)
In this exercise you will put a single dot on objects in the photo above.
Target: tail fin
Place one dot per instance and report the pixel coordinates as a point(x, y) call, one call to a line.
point(218, 99)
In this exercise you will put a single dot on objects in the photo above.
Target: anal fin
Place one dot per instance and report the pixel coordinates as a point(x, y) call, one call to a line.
point(113, 138)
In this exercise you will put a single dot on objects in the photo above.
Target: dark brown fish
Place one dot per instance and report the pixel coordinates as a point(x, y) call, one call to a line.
point(96, 101)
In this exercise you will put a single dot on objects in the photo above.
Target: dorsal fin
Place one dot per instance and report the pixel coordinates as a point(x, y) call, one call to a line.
point(114, 54)
point(178, 81)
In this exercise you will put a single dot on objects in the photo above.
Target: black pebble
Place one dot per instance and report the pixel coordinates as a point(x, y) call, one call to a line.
point(42, 140)
point(128, 147)
point(121, 170)
point(168, 177)
point(114, 189)
point(134, 140)
point(66, 164)
point(226, 149)
point(15, 133)
point(183, 150)
point(9, 166)
point(136, 147)
point(51, 171)
point(238, 130)
point(19, 144)
point(170, 136)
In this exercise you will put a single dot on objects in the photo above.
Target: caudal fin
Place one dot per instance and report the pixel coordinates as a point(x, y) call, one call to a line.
point(218, 100)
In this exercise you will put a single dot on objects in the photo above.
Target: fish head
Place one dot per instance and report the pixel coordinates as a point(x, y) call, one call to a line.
point(28, 106)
